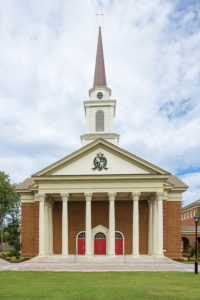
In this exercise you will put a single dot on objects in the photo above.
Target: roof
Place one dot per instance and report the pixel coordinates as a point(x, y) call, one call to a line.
point(176, 182)
point(195, 203)
point(100, 74)
point(25, 184)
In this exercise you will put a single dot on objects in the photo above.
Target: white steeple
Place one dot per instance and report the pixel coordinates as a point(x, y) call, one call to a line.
point(100, 109)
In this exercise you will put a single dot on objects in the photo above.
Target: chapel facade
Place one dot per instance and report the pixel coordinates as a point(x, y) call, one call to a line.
point(101, 203)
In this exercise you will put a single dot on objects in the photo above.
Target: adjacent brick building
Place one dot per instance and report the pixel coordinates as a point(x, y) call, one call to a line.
point(188, 225)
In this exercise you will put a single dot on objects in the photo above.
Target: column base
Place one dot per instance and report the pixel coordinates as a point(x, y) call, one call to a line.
point(133, 257)
point(65, 254)
point(157, 255)
point(135, 254)
point(42, 255)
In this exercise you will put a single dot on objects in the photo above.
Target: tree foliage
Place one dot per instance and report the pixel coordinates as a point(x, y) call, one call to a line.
point(9, 200)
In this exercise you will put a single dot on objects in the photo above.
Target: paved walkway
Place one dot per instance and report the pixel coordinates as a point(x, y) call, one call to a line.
point(75, 267)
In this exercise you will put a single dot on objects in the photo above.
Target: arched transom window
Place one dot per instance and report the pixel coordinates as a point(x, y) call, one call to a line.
point(99, 120)
point(118, 235)
point(81, 235)
point(100, 235)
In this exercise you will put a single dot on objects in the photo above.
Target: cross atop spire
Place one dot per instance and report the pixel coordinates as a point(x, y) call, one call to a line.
point(100, 74)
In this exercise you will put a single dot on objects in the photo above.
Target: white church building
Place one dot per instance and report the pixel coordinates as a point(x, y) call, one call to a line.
point(101, 203)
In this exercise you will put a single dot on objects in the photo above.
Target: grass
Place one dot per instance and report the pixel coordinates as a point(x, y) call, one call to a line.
point(99, 286)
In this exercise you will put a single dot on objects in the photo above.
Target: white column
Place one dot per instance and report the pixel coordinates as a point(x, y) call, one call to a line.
point(155, 223)
point(111, 197)
point(88, 198)
point(41, 198)
point(65, 197)
point(46, 226)
point(150, 227)
point(135, 196)
point(51, 227)
point(160, 223)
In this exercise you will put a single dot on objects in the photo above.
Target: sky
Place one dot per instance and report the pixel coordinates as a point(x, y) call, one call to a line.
point(152, 61)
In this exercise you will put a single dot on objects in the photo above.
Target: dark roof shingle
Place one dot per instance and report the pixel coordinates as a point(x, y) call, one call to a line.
point(176, 182)
point(25, 184)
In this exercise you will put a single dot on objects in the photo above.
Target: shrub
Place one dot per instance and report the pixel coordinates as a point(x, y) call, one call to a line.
point(11, 253)
point(21, 258)
point(192, 252)
point(14, 259)
point(182, 258)
point(3, 254)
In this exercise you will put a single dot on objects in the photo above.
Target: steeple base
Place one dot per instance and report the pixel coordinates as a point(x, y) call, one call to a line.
point(110, 137)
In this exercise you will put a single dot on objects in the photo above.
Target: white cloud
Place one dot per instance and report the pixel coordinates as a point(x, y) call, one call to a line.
point(47, 58)
point(193, 193)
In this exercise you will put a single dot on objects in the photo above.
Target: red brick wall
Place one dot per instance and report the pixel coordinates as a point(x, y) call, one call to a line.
point(190, 221)
point(123, 222)
point(29, 229)
point(191, 238)
point(57, 227)
point(76, 213)
point(100, 213)
point(37, 227)
point(172, 234)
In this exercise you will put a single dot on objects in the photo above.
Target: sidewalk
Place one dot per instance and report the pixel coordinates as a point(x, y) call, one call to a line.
point(74, 267)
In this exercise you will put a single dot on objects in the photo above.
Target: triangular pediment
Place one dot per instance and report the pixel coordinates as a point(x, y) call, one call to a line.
point(113, 160)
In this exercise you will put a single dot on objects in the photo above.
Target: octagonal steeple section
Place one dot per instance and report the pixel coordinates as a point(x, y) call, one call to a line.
point(100, 108)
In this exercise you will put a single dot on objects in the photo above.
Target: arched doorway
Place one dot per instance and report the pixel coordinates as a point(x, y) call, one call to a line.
point(81, 243)
point(119, 247)
point(100, 243)
point(185, 245)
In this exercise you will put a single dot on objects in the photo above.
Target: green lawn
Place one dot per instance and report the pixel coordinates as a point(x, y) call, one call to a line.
point(99, 286)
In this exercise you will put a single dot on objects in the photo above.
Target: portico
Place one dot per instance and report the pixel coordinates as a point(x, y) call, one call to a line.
point(154, 216)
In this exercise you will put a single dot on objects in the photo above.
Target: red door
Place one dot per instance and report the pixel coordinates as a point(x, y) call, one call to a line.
point(81, 246)
point(99, 246)
point(118, 246)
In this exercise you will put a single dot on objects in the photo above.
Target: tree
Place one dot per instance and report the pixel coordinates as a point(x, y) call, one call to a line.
point(13, 225)
point(8, 200)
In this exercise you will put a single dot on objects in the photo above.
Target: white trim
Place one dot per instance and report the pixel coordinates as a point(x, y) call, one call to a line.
point(28, 201)
point(173, 200)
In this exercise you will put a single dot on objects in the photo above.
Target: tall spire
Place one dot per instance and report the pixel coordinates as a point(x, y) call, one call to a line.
point(100, 74)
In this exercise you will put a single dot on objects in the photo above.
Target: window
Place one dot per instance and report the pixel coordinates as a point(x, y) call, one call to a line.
point(100, 235)
point(99, 120)
point(118, 235)
point(81, 235)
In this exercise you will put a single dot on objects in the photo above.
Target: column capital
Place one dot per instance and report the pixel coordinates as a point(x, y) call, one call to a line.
point(88, 196)
point(41, 197)
point(151, 199)
point(150, 202)
point(136, 196)
point(65, 197)
point(159, 196)
point(112, 196)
